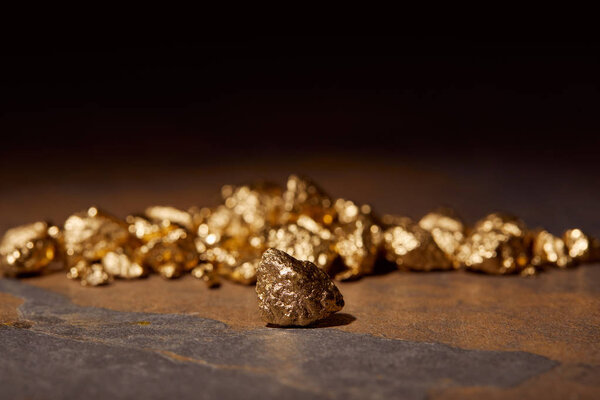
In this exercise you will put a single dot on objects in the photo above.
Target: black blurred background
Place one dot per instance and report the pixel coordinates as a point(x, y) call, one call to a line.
point(185, 100)
point(494, 122)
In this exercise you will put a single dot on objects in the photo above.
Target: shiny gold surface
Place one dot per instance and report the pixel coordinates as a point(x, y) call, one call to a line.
point(412, 247)
point(447, 229)
point(358, 239)
point(548, 249)
point(497, 245)
point(314, 244)
point(27, 249)
point(344, 239)
point(294, 293)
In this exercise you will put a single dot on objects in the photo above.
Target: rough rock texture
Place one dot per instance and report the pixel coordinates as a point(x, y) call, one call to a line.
point(292, 292)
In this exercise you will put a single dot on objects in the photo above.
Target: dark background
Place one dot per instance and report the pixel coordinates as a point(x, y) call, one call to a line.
point(95, 99)
point(403, 123)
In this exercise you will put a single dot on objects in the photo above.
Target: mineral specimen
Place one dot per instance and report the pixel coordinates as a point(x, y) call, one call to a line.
point(294, 293)
point(548, 249)
point(89, 236)
point(309, 242)
point(578, 245)
point(170, 255)
point(303, 197)
point(497, 245)
point(358, 239)
point(447, 229)
point(27, 249)
point(412, 247)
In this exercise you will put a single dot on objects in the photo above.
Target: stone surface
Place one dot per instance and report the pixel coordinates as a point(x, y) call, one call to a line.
point(553, 314)
point(293, 292)
point(123, 354)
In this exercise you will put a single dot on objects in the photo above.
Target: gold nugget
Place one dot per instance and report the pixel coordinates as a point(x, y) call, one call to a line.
point(304, 197)
point(358, 239)
point(412, 247)
point(548, 249)
point(88, 236)
point(27, 249)
point(292, 292)
point(305, 240)
point(447, 229)
point(497, 245)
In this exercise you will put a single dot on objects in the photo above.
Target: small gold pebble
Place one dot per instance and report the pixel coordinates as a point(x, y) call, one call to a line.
point(294, 293)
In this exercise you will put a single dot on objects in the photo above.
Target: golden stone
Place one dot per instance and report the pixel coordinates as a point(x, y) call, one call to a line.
point(305, 240)
point(304, 197)
point(497, 245)
point(27, 249)
point(294, 293)
point(90, 235)
point(412, 247)
point(358, 239)
point(578, 245)
point(122, 264)
point(258, 206)
point(447, 229)
point(170, 255)
point(548, 249)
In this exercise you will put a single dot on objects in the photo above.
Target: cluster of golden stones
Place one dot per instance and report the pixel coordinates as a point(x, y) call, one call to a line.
point(342, 238)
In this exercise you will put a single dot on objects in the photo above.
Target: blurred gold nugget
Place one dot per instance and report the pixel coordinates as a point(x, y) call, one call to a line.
point(87, 237)
point(497, 245)
point(305, 240)
point(358, 239)
point(170, 255)
point(548, 249)
point(340, 237)
point(304, 197)
point(27, 249)
point(412, 247)
point(581, 247)
point(446, 228)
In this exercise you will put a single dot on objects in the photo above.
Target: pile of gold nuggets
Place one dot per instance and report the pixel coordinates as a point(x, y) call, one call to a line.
point(342, 238)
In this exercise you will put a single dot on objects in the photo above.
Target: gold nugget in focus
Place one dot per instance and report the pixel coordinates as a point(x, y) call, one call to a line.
point(27, 249)
point(294, 293)
point(497, 245)
point(412, 247)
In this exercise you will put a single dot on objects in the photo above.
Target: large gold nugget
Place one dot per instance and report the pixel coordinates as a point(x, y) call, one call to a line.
point(497, 245)
point(358, 239)
point(304, 197)
point(412, 247)
point(90, 235)
point(309, 242)
point(447, 229)
point(170, 255)
point(292, 292)
point(27, 249)
point(581, 247)
point(548, 249)
point(258, 205)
